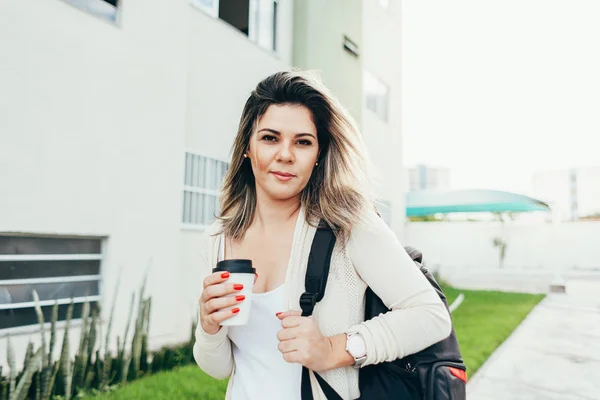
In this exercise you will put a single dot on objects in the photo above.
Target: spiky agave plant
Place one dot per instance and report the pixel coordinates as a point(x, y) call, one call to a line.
point(136, 345)
point(81, 355)
point(105, 379)
point(89, 371)
point(12, 365)
point(66, 366)
point(124, 359)
point(22, 389)
point(48, 368)
point(52, 366)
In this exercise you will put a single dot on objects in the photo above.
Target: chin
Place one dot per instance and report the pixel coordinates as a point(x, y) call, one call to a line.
point(282, 194)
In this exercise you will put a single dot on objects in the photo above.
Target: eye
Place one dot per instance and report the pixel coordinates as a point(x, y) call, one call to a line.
point(305, 142)
point(269, 138)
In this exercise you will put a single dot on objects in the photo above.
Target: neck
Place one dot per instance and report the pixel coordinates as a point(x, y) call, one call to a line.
point(272, 213)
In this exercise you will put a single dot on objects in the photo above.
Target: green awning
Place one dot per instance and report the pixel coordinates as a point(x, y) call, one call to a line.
point(429, 203)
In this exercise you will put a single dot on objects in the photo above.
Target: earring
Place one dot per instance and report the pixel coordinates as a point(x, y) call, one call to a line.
point(245, 155)
point(316, 163)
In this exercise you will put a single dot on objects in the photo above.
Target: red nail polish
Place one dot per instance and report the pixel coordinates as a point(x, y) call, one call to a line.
point(277, 315)
point(238, 286)
point(225, 275)
point(235, 310)
point(240, 298)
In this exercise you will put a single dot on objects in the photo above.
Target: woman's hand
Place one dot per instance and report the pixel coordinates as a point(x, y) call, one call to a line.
point(213, 300)
point(301, 341)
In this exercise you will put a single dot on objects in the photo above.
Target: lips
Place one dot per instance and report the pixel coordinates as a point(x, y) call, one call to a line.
point(283, 174)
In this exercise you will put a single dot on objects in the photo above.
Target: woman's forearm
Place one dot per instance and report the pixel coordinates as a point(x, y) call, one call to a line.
point(339, 356)
point(213, 353)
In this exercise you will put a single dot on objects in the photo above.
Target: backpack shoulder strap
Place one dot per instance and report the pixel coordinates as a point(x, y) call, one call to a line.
point(317, 270)
point(315, 282)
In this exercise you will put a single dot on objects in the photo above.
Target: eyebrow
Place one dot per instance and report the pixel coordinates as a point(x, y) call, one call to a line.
point(273, 131)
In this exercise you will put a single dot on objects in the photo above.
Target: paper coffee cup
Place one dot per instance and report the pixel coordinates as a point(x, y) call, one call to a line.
point(241, 271)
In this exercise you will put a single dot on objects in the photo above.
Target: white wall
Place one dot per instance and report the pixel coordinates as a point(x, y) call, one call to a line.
point(220, 82)
point(92, 136)
point(94, 122)
point(319, 30)
point(463, 252)
point(381, 56)
point(218, 86)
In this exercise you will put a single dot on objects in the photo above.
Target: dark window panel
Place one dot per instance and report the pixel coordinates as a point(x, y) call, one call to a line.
point(48, 245)
point(47, 269)
point(27, 316)
point(236, 13)
point(11, 294)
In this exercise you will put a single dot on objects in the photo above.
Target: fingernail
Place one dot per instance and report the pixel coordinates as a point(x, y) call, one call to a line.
point(277, 315)
point(240, 298)
point(235, 310)
point(238, 286)
point(225, 275)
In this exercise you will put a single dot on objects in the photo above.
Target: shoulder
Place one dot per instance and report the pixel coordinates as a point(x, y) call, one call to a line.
point(211, 233)
point(369, 226)
point(371, 238)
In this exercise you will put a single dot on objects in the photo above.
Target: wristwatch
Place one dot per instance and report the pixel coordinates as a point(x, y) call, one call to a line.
point(356, 347)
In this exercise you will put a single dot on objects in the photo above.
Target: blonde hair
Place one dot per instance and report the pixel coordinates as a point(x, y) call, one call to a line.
point(339, 188)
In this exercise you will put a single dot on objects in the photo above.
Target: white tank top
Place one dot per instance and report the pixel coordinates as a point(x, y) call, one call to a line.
point(260, 370)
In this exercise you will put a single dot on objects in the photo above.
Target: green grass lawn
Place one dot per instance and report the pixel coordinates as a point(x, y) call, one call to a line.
point(182, 383)
point(483, 321)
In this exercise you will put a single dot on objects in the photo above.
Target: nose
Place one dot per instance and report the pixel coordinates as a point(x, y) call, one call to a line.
point(286, 153)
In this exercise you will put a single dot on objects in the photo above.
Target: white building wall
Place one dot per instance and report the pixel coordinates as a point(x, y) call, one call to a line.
point(220, 81)
point(94, 122)
point(381, 57)
point(319, 31)
point(95, 119)
point(463, 252)
point(218, 86)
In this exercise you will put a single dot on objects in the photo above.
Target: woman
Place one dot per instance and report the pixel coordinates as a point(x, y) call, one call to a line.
point(298, 158)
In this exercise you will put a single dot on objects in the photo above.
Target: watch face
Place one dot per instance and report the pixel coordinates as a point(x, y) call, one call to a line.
point(356, 346)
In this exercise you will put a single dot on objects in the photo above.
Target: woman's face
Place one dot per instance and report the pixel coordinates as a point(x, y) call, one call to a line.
point(283, 151)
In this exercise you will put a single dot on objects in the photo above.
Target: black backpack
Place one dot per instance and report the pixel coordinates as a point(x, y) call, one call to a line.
point(435, 373)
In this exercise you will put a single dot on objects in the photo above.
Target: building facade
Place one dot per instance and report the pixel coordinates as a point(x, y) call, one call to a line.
point(116, 123)
point(572, 193)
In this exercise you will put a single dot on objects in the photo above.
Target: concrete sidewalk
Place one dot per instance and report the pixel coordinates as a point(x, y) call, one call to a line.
point(554, 354)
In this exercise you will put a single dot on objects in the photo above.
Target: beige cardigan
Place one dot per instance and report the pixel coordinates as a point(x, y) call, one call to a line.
point(373, 256)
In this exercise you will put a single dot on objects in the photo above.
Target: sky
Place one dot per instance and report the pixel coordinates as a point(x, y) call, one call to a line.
point(497, 90)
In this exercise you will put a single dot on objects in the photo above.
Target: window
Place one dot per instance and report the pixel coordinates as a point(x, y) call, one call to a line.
point(106, 9)
point(263, 29)
point(202, 182)
point(58, 268)
point(257, 19)
point(211, 7)
point(274, 18)
point(376, 95)
point(236, 13)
